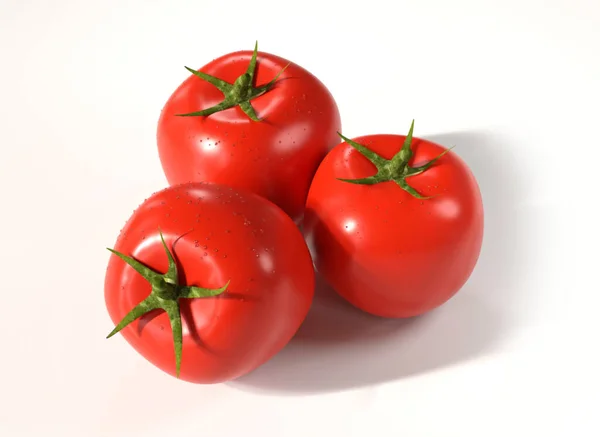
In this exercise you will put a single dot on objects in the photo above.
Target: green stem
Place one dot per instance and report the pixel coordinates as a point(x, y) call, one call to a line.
point(396, 169)
point(237, 94)
point(166, 293)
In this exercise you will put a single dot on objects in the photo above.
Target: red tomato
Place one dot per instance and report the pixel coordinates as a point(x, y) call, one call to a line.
point(275, 157)
point(248, 255)
point(403, 232)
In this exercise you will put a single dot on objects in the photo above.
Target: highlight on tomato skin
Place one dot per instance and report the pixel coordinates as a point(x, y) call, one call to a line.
point(252, 120)
point(224, 273)
point(395, 223)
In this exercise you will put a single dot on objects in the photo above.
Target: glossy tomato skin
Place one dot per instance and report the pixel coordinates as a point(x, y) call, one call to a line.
point(383, 250)
point(217, 234)
point(275, 157)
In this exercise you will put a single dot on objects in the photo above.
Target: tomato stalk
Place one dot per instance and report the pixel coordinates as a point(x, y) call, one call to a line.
point(165, 295)
point(396, 169)
point(237, 94)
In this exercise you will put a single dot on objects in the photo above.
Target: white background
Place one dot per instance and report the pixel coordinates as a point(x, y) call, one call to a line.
point(514, 84)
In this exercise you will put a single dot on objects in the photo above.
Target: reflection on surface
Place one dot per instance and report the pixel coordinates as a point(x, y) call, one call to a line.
point(266, 261)
point(350, 225)
point(447, 208)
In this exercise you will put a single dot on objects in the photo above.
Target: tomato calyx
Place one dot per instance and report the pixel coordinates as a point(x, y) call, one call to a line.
point(237, 94)
point(165, 295)
point(396, 169)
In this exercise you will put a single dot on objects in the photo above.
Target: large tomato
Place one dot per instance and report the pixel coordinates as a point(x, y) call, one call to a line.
point(225, 291)
point(251, 120)
point(395, 223)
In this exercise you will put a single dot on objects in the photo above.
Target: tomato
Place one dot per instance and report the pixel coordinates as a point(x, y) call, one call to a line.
point(395, 224)
point(251, 120)
point(238, 286)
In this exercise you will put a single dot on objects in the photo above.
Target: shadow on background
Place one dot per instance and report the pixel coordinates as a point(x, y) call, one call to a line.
point(339, 347)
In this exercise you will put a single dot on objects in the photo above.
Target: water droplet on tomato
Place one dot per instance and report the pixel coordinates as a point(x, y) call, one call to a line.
point(205, 254)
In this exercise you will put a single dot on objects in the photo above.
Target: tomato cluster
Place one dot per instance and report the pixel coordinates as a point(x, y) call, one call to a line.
point(213, 275)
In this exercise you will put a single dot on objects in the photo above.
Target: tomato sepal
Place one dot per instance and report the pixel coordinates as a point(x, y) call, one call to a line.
point(165, 295)
point(396, 169)
point(240, 93)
